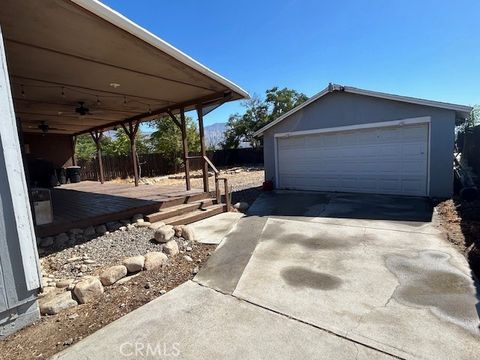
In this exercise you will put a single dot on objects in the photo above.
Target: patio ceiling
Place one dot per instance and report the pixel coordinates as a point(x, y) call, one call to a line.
point(63, 52)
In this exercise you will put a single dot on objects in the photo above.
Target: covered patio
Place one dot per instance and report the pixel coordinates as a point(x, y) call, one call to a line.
point(78, 67)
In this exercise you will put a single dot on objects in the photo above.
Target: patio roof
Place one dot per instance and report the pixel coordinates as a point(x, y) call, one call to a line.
point(62, 53)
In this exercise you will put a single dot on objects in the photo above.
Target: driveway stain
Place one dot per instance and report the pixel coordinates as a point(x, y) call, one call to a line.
point(429, 280)
point(313, 243)
point(298, 276)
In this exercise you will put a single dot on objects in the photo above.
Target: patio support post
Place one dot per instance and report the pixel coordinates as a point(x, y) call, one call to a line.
point(131, 132)
point(74, 144)
point(97, 136)
point(186, 160)
point(202, 148)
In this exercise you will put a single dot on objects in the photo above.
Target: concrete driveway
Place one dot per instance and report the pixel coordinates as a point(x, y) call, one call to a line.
point(311, 275)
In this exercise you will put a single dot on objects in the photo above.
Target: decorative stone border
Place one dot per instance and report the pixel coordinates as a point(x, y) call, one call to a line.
point(59, 295)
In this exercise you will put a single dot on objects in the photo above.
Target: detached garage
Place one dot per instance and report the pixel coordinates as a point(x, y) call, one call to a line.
point(352, 140)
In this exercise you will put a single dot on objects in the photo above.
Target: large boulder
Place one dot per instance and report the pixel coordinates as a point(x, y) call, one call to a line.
point(184, 231)
point(164, 234)
point(157, 225)
point(113, 274)
point(241, 206)
point(171, 248)
point(88, 289)
point(54, 303)
point(154, 260)
point(134, 263)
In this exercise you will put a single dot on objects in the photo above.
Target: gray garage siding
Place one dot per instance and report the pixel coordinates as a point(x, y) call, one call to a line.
point(342, 109)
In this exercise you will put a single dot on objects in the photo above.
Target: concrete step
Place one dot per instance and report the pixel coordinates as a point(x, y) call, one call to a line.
point(177, 210)
point(196, 215)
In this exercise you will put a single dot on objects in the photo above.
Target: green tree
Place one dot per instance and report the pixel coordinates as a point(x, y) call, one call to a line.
point(85, 147)
point(167, 139)
point(119, 144)
point(258, 113)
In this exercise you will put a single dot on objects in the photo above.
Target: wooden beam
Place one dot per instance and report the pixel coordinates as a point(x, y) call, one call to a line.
point(96, 91)
point(141, 117)
point(97, 138)
point(74, 143)
point(131, 131)
point(186, 160)
point(203, 150)
point(174, 119)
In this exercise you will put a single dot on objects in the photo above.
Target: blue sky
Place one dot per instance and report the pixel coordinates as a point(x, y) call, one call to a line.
point(422, 48)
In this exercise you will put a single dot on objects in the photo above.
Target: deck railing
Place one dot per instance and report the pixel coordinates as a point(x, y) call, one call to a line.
point(217, 185)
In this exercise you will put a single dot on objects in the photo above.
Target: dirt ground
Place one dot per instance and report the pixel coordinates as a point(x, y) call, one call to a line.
point(52, 334)
point(239, 178)
point(461, 220)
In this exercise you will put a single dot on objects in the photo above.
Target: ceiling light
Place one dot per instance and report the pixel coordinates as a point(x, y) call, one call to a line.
point(114, 85)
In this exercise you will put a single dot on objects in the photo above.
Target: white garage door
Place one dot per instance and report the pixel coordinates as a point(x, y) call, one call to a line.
point(383, 160)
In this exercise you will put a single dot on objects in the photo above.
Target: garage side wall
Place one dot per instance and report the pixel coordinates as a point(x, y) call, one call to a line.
point(343, 109)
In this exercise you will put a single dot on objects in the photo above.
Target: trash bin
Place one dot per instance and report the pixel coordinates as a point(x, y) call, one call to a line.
point(62, 176)
point(42, 205)
point(73, 174)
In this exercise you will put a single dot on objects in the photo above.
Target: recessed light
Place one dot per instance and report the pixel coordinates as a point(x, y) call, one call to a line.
point(114, 85)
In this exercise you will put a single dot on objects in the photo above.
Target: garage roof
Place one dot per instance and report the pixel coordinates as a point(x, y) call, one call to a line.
point(462, 111)
point(63, 52)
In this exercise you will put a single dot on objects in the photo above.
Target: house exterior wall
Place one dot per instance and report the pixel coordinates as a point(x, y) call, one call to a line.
point(56, 148)
point(19, 271)
point(343, 109)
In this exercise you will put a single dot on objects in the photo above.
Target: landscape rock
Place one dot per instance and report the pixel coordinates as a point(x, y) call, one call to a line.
point(88, 289)
point(46, 241)
point(171, 248)
point(137, 217)
point(64, 283)
point(144, 224)
point(139, 221)
point(154, 260)
point(101, 229)
point(188, 258)
point(188, 233)
point(178, 230)
point(113, 226)
point(164, 234)
point(241, 206)
point(76, 231)
point(89, 231)
point(46, 290)
point(113, 274)
point(134, 263)
point(126, 279)
point(51, 305)
point(61, 240)
point(157, 225)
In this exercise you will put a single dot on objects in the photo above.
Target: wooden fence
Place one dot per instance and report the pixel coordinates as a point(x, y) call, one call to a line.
point(156, 165)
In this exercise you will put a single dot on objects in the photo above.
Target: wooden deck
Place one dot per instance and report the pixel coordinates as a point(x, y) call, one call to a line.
point(91, 203)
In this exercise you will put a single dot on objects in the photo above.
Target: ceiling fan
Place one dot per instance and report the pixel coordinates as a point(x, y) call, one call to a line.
point(82, 110)
point(45, 128)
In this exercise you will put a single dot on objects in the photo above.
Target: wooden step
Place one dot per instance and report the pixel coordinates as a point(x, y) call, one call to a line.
point(172, 211)
point(186, 199)
point(196, 215)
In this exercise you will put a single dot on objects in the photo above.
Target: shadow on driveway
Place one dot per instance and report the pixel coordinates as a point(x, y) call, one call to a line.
point(343, 205)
